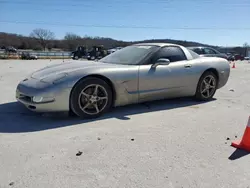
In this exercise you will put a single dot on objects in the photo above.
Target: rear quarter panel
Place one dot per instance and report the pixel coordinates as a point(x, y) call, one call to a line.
point(221, 66)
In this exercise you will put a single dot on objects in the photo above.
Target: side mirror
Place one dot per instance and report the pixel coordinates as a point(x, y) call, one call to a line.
point(161, 61)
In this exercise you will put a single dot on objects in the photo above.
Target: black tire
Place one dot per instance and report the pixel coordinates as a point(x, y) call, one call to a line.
point(198, 95)
point(75, 94)
point(71, 113)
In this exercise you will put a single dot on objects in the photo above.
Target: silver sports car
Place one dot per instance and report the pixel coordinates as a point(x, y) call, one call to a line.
point(134, 74)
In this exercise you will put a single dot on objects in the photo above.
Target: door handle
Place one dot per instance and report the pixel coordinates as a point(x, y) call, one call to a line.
point(187, 65)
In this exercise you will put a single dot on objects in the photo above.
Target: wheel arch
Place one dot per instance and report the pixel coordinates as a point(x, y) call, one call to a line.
point(104, 78)
point(213, 70)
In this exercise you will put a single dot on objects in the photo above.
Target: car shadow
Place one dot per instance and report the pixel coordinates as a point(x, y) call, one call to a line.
point(15, 118)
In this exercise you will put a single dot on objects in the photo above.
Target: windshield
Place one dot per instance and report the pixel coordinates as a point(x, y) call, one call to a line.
point(130, 55)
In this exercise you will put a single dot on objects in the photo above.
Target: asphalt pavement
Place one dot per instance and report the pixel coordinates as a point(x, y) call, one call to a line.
point(171, 143)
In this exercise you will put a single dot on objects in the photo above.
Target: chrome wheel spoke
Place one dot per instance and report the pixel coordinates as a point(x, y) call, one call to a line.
point(85, 94)
point(203, 90)
point(208, 93)
point(97, 108)
point(96, 90)
point(211, 79)
point(94, 103)
point(86, 106)
point(102, 98)
point(205, 82)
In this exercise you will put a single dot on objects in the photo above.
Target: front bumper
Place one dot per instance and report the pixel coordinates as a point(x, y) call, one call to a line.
point(55, 98)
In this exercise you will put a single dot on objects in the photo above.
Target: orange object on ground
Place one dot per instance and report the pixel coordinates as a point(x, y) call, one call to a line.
point(245, 142)
point(233, 65)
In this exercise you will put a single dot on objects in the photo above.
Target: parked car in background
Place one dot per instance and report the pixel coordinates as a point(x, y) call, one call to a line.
point(97, 52)
point(110, 51)
point(80, 52)
point(28, 56)
point(238, 57)
point(208, 52)
point(134, 74)
point(230, 57)
point(10, 49)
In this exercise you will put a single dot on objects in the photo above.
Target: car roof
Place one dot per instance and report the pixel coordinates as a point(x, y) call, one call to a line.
point(193, 47)
point(157, 44)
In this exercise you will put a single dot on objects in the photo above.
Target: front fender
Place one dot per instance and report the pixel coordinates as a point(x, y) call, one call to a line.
point(124, 82)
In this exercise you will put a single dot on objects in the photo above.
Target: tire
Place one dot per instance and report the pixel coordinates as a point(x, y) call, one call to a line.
point(76, 57)
point(71, 113)
point(78, 100)
point(203, 95)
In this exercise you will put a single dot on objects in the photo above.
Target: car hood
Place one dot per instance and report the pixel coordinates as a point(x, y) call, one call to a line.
point(70, 67)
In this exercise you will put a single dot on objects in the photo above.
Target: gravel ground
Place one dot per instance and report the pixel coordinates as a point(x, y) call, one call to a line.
point(177, 143)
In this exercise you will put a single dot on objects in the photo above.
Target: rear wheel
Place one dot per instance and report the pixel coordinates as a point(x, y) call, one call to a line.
point(91, 98)
point(207, 86)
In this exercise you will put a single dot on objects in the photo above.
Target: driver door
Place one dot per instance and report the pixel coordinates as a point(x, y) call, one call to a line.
point(166, 81)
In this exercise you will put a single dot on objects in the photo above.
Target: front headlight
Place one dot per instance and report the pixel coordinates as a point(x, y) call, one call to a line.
point(55, 78)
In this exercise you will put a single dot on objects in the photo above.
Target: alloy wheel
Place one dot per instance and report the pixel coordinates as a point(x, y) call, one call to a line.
point(208, 86)
point(93, 99)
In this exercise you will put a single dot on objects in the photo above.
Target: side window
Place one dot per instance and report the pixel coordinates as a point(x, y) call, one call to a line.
point(193, 54)
point(209, 51)
point(173, 53)
point(198, 51)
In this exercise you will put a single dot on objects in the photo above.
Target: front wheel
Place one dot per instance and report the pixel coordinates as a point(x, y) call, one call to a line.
point(207, 86)
point(91, 98)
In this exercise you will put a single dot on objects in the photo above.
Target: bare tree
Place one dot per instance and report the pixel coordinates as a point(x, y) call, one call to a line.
point(43, 36)
point(72, 40)
point(71, 36)
point(245, 44)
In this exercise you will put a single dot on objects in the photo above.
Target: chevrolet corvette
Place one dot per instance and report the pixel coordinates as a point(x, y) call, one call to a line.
point(137, 73)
